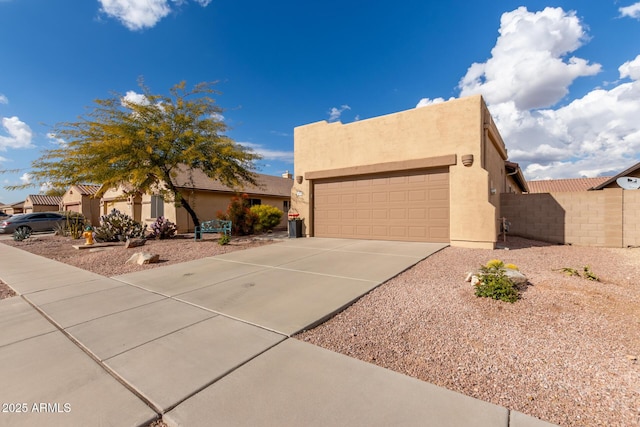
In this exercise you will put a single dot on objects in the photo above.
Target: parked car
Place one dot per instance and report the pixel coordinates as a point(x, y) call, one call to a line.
point(36, 221)
point(4, 215)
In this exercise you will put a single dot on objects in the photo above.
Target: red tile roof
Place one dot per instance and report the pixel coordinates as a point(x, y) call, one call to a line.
point(87, 189)
point(269, 184)
point(40, 199)
point(565, 185)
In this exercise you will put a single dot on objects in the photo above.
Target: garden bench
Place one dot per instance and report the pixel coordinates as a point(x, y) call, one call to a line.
point(213, 226)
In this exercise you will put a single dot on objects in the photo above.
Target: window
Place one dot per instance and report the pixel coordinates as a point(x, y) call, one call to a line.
point(285, 206)
point(157, 206)
point(254, 202)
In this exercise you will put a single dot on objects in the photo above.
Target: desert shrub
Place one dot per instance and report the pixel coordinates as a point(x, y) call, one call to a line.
point(21, 233)
point(162, 228)
point(240, 215)
point(117, 226)
point(73, 226)
point(494, 284)
point(586, 273)
point(224, 240)
point(267, 217)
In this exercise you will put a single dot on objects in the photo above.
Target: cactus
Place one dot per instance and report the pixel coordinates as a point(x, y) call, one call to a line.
point(21, 233)
point(162, 229)
point(118, 227)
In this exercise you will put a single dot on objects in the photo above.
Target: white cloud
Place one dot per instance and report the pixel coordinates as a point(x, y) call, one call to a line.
point(53, 138)
point(335, 113)
point(26, 178)
point(45, 187)
point(530, 70)
point(3, 99)
point(134, 98)
point(528, 64)
point(218, 117)
point(428, 101)
point(141, 14)
point(267, 154)
point(632, 11)
point(630, 69)
point(19, 134)
point(598, 134)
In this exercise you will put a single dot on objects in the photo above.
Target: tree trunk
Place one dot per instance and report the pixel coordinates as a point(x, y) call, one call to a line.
point(177, 196)
point(185, 204)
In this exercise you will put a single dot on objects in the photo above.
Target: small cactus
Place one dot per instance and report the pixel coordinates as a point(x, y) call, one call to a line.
point(21, 233)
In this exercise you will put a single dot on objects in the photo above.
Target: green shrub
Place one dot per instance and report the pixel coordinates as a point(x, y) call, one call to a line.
point(494, 284)
point(224, 240)
point(118, 227)
point(162, 228)
point(240, 215)
point(267, 217)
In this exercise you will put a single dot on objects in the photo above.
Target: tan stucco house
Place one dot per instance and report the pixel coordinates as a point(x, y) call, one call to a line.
point(80, 198)
point(205, 195)
point(41, 203)
point(13, 208)
point(431, 174)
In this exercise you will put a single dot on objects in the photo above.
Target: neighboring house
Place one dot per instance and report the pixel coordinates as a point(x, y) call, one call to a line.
point(41, 203)
point(80, 198)
point(14, 208)
point(565, 185)
point(580, 211)
point(632, 172)
point(205, 195)
point(432, 174)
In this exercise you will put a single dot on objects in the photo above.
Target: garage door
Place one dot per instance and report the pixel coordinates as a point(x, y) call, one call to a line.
point(410, 206)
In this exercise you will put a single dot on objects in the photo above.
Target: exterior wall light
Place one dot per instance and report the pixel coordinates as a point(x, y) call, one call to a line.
point(299, 179)
point(467, 159)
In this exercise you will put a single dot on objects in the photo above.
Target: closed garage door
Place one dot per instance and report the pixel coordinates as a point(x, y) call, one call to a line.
point(410, 206)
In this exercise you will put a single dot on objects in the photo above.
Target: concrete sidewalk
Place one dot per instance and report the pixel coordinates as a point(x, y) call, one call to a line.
point(207, 342)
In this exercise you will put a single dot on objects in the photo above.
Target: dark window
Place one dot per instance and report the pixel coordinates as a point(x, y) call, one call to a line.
point(285, 206)
point(254, 202)
point(157, 206)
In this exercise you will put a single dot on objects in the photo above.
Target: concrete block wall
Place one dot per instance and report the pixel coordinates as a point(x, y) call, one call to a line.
point(604, 218)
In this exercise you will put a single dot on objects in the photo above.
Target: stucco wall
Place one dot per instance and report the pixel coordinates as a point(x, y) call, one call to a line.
point(588, 218)
point(114, 199)
point(73, 200)
point(458, 127)
point(206, 204)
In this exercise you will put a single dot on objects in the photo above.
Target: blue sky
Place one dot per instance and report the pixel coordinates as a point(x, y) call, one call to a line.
point(562, 79)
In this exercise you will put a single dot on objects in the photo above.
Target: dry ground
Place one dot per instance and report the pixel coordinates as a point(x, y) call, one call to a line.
point(566, 352)
point(110, 261)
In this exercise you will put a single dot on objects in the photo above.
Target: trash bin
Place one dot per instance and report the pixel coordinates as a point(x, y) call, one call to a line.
point(295, 228)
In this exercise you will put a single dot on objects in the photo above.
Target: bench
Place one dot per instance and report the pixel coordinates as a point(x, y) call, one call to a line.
point(213, 226)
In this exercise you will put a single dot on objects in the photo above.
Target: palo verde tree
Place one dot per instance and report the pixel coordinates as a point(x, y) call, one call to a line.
point(144, 141)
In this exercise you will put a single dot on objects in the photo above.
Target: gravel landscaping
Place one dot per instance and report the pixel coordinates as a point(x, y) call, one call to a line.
point(566, 352)
point(110, 261)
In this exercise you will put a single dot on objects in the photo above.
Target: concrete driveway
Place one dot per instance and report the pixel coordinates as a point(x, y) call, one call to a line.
point(206, 343)
point(286, 287)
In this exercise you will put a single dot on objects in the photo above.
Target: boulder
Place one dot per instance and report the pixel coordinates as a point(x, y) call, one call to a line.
point(134, 243)
point(143, 258)
point(516, 277)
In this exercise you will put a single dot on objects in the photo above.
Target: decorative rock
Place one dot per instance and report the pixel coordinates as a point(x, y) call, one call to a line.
point(516, 277)
point(142, 258)
point(134, 243)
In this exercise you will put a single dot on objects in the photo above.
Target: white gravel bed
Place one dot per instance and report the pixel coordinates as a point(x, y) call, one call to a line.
point(567, 352)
